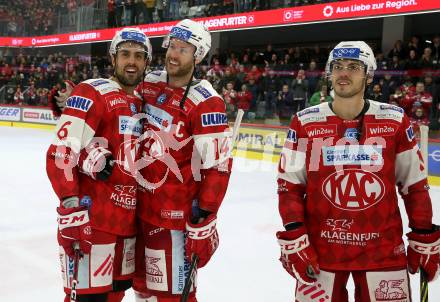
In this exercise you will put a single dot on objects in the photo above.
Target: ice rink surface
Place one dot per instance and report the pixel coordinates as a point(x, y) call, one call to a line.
point(244, 269)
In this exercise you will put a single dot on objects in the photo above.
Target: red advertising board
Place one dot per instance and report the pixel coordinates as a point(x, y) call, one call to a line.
point(356, 9)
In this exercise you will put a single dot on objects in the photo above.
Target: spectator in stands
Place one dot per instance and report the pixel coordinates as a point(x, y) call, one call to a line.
point(397, 50)
point(254, 89)
point(270, 86)
point(230, 97)
point(119, 10)
point(159, 10)
point(149, 9)
point(395, 64)
point(228, 77)
point(111, 15)
point(426, 59)
point(174, 9)
point(375, 94)
point(388, 85)
point(414, 44)
point(285, 103)
point(300, 86)
point(31, 96)
point(18, 96)
point(244, 100)
point(320, 96)
point(417, 95)
point(313, 75)
point(412, 62)
point(435, 47)
point(418, 117)
point(10, 92)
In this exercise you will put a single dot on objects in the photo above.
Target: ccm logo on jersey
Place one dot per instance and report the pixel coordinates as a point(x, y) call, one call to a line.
point(381, 129)
point(315, 131)
point(353, 189)
point(352, 155)
point(79, 102)
point(214, 119)
point(73, 219)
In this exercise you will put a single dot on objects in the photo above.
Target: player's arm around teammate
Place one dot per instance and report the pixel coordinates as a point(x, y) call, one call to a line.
point(87, 167)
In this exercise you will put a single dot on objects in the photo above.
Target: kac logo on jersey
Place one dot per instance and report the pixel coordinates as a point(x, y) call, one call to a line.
point(161, 99)
point(79, 103)
point(214, 119)
point(353, 189)
point(203, 91)
point(291, 136)
point(86, 201)
point(133, 108)
point(351, 133)
point(410, 133)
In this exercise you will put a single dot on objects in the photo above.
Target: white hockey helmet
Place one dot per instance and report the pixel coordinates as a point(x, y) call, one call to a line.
point(192, 32)
point(134, 35)
point(353, 50)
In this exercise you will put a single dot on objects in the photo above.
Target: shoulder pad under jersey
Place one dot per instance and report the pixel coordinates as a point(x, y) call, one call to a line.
point(385, 111)
point(201, 92)
point(317, 113)
point(103, 86)
point(156, 76)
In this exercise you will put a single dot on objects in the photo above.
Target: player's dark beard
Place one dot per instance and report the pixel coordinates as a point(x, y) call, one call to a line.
point(183, 70)
point(127, 81)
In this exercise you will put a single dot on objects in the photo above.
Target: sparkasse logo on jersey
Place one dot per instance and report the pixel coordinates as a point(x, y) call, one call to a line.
point(352, 155)
point(353, 189)
point(381, 129)
point(158, 117)
point(315, 131)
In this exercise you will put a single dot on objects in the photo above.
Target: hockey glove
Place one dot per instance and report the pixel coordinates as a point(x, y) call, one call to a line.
point(297, 255)
point(98, 163)
point(424, 252)
point(202, 239)
point(74, 226)
point(57, 99)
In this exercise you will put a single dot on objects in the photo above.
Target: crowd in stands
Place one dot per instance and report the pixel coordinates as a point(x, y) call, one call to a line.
point(44, 17)
point(268, 83)
point(132, 12)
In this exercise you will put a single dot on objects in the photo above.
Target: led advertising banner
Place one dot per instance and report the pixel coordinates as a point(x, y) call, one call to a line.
point(346, 10)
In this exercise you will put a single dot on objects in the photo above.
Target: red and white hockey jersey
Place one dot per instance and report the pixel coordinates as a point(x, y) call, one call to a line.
point(186, 152)
point(339, 177)
point(98, 114)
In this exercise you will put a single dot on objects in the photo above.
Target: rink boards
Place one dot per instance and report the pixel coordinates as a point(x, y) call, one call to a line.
point(260, 142)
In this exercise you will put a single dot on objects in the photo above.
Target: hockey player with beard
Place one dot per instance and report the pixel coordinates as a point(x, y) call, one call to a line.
point(337, 180)
point(187, 167)
point(86, 165)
